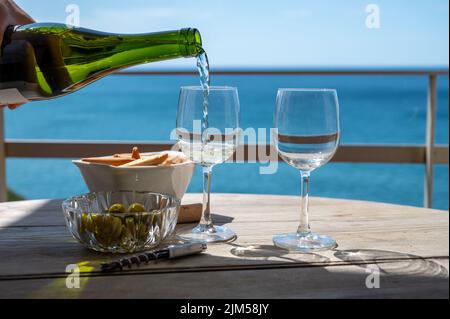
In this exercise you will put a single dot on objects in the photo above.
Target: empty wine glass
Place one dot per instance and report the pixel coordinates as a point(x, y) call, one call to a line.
point(208, 134)
point(306, 136)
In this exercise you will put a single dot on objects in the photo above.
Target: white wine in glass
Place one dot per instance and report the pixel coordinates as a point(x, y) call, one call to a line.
point(208, 134)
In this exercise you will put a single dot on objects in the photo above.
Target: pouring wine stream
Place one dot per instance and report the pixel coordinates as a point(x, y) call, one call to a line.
point(203, 70)
point(205, 82)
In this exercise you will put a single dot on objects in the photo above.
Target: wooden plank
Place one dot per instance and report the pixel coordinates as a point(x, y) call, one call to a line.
point(410, 279)
point(379, 154)
point(441, 155)
point(30, 247)
point(251, 153)
point(76, 149)
point(46, 213)
point(31, 213)
point(406, 154)
point(251, 208)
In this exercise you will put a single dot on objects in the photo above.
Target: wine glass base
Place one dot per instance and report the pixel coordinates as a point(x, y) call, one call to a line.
point(214, 234)
point(304, 243)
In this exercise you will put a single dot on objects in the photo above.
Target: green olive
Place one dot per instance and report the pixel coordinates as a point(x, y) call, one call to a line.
point(107, 229)
point(145, 227)
point(129, 230)
point(117, 208)
point(116, 228)
point(136, 208)
point(86, 223)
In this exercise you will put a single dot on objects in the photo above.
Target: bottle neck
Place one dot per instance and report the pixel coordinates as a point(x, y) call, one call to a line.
point(181, 43)
point(153, 47)
point(117, 51)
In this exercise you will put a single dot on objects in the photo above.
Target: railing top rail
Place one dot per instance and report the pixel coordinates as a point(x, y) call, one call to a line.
point(291, 72)
point(365, 153)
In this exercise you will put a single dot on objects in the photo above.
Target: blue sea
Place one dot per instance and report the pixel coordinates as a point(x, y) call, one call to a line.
point(374, 110)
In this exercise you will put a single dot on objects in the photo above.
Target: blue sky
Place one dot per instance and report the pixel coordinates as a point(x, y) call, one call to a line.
point(282, 33)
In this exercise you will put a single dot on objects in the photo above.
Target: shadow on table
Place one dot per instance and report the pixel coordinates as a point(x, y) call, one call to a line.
point(391, 262)
point(221, 219)
point(388, 262)
point(270, 251)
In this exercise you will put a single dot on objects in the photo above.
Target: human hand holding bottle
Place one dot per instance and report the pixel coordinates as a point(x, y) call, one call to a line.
point(11, 14)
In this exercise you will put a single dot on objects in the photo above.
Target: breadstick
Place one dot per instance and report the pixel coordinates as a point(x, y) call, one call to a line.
point(114, 161)
point(147, 160)
point(135, 153)
point(173, 159)
point(168, 161)
point(126, 155)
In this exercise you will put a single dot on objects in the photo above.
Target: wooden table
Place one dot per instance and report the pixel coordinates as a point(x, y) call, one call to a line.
point(407, 246)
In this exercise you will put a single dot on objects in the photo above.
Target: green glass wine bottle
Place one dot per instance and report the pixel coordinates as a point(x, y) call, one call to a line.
point(45, 60)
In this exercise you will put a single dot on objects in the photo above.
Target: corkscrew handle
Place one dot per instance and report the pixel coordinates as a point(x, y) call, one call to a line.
point(180, 250)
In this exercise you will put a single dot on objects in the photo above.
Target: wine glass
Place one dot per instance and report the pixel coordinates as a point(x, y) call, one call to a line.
point(208, 134)
point(306, 136)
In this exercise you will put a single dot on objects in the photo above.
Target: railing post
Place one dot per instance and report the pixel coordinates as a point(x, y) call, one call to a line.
point(430, 135)
point(3, 189)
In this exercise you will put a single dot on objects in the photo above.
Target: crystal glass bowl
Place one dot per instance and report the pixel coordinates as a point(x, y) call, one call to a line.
point(121, 222)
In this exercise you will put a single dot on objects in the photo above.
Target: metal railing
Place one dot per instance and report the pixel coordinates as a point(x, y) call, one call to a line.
point(427, 154)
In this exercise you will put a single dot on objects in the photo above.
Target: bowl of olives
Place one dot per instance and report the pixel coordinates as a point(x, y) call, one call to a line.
point(122, 221)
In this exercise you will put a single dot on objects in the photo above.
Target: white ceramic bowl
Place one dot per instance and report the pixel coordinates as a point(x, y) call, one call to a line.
point(171, 180)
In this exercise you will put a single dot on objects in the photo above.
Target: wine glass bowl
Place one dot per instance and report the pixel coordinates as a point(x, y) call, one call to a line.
point(306, 136)
point(208, 134)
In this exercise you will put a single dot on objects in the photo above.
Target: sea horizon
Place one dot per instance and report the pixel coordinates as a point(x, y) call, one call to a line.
point(183, 66)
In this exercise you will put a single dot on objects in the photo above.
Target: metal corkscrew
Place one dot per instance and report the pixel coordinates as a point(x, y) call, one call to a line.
point(172, 251)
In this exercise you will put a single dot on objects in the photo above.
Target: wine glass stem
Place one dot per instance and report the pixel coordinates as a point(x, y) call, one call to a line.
point(206, 221)
point(303, 228)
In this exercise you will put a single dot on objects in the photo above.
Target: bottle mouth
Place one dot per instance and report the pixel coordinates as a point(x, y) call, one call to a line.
point(191, 44)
